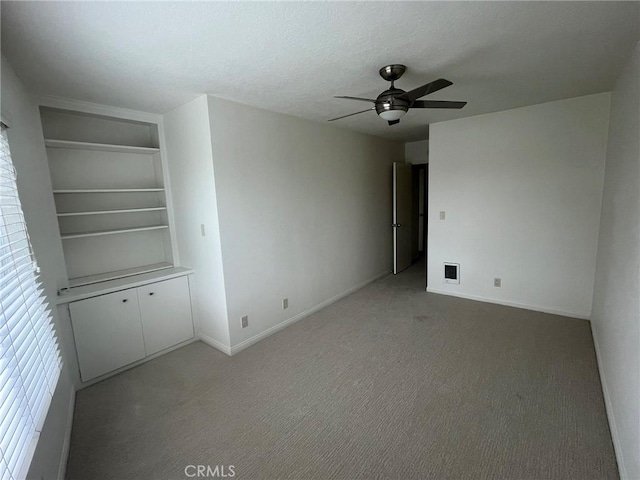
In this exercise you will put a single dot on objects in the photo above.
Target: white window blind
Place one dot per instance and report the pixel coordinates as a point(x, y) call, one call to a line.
point(29, 357)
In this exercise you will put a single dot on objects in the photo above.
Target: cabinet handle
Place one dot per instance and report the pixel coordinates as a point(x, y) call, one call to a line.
point(151, 293)
point(125, 300)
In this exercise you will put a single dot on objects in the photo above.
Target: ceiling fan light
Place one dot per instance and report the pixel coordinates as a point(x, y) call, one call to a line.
point(391, 115)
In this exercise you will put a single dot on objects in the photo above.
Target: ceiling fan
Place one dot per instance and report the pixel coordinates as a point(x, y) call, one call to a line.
point(392, 104)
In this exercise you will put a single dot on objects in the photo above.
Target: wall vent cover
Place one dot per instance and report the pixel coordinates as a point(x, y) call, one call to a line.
point(452, 273)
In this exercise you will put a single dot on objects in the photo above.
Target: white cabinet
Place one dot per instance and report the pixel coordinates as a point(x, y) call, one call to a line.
point(108, 332)
point(117, 329)
point(166, 314)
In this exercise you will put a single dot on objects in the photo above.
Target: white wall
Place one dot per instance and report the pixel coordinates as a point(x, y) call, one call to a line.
point(417, 153)
point(305, 213)
point(521, 191)
point(616, 304)
point(34, 187)
point(190, 161)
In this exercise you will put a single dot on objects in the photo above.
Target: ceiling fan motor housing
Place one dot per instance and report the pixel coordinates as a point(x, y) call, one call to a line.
point(388, 100)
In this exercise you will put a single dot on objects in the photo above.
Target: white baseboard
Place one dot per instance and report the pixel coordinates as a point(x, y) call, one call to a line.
point(215, 343)
point(615, 436)
point(296, 318)
point(66, 446)
point(507, 303)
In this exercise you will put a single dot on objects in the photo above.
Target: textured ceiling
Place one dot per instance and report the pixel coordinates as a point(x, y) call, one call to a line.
point(294, 57)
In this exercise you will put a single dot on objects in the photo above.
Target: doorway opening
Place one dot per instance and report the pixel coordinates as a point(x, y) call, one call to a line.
point(419, 216)
point(410, 218)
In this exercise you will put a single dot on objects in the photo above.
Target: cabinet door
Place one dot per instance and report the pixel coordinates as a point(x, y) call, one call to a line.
point(107, 331)
point(165, 308)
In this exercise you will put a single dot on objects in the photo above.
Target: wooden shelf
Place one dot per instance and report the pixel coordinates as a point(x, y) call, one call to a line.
point(105, 212)
point(99, 146)
point(111, 232)
point(109, 276)
point(107, 190)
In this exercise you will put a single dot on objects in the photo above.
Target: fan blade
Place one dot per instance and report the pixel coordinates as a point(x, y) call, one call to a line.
point(437, 104)
point(393, 122)
point(434, 86)
point(351, 114)
point(357, 98)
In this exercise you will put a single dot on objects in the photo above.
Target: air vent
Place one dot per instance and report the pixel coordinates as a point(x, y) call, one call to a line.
point(452, 273)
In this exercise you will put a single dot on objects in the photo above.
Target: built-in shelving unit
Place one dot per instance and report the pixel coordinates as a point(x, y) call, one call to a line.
point(108, 186)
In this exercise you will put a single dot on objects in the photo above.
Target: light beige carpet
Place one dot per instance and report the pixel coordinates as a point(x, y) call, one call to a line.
point(390, 382)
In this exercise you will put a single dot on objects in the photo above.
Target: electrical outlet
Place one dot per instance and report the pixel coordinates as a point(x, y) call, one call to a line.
point(202, 229)
point(442, 215)
point(285, 303)
point(497, 282)
point(245, 321)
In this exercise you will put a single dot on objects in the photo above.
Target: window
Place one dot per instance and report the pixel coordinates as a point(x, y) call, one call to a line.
point(29, 357)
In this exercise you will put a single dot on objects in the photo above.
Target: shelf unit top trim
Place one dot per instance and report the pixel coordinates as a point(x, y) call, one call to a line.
point(75, 106)
point(107, 190)
point(70, 144)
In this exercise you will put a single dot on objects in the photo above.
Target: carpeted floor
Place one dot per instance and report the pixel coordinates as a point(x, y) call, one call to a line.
point(390, 382)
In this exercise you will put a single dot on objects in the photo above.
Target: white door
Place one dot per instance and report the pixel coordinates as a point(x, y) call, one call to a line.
point(107, 331)
point(401, 216)
point(165, 308)
point(421, 212)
